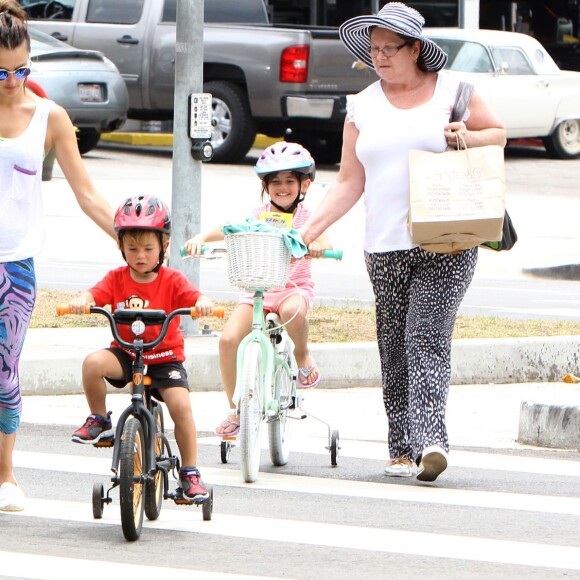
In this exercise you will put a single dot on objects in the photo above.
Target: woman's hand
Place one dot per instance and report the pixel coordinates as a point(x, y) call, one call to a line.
point(454, 134)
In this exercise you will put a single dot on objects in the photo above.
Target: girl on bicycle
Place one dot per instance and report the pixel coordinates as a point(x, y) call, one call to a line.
point(143, 224)
point(286, 171)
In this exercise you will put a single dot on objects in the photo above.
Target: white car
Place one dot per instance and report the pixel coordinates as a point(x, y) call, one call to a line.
point(521, 83)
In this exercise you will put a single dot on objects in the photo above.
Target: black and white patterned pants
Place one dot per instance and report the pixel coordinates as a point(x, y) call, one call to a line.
point(417, 296)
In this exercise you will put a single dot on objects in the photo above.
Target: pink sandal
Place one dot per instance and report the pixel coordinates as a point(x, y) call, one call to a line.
point(305, 373)
point(226, 425)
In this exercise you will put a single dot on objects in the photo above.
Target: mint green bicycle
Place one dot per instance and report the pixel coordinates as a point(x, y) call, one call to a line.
point(266, 370)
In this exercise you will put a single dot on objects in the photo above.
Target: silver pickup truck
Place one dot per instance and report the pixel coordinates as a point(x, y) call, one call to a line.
point(264, 78)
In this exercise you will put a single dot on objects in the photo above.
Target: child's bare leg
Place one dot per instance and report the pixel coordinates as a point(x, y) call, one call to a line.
point(298, 331)
point(179, 407)
point(96, 367)
point(237, 327)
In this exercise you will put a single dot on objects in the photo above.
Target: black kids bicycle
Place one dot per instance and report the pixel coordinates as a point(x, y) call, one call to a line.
point(142, 455)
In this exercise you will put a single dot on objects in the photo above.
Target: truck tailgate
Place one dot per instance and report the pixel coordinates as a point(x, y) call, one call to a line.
point(332, 68)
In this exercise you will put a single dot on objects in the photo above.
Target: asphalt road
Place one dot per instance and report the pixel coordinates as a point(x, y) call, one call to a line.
point(543, 199)
point(501, 510)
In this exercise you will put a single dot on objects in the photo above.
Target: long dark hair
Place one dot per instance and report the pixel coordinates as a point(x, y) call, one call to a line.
point(13, 28)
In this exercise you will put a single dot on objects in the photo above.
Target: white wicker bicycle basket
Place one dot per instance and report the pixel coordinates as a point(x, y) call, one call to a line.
point(257, 260)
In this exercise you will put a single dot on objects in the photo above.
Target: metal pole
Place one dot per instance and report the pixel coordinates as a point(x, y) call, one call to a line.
point(186, 192)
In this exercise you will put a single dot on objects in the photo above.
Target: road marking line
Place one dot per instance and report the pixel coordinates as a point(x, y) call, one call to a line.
point(332, 535)
point(26, 565)
point(326, 486)
point(457, 458)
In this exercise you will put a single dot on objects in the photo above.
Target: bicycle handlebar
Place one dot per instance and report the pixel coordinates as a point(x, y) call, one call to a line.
point(218, 311)
point(147, 317)
point(333, 254)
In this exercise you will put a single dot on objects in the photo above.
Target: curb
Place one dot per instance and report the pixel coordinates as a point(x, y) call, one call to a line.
point(553, 426)
point(563, 272)
point(164, 139)
point(343, 365)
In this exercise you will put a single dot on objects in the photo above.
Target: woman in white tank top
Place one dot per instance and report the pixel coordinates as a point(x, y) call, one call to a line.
point(29, 128)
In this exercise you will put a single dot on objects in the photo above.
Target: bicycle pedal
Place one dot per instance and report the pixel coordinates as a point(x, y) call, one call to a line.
point(298, 417)
point(104, 443)
point(226, 438)
point(183, 501)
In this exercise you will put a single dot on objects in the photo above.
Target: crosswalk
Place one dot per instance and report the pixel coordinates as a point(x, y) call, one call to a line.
point(470, 529)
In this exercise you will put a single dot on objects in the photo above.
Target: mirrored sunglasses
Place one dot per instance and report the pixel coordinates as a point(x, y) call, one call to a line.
point(19, 73)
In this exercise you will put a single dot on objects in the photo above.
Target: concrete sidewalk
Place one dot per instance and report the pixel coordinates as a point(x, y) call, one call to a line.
point(529, 369)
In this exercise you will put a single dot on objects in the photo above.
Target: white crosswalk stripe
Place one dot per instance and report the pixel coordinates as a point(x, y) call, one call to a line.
point(337, 487)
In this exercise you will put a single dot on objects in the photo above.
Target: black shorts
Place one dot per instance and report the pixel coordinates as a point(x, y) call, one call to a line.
point(164, 375)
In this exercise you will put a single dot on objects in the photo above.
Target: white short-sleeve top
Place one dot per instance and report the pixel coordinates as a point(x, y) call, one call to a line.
point(386, 134)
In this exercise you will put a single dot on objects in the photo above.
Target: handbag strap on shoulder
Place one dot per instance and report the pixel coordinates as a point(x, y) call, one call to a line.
point(462, 98)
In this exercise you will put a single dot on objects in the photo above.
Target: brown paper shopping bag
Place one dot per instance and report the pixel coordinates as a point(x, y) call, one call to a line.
point(457, 198)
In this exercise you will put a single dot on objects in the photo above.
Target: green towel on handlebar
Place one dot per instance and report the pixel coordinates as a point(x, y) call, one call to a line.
point(290, 236)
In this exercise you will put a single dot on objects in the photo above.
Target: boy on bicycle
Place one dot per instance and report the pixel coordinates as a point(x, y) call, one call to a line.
point(143, 225)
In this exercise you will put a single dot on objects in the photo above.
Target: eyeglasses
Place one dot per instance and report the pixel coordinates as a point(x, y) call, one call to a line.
point(19, 73)
point(388, 50)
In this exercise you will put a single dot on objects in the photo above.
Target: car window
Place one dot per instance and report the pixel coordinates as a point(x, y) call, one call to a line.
point(237, 11)
point(48, 9)
point(222, 11)
point(169, 11)
point(115, 11)
point(514, 58)
point(466, 56)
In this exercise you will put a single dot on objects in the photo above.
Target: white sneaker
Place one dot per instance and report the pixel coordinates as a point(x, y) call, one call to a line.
point(399, 467)
point(11, 498)
point(433, 463)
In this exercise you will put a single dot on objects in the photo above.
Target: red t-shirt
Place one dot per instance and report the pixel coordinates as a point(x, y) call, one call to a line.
point(170, 290)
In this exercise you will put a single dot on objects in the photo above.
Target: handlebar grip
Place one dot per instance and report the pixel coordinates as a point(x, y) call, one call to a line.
point(334, 254)
point(184, 254)
point(63, 309)
point(217, 312)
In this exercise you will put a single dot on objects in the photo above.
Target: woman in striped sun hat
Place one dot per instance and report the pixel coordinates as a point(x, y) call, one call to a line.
point(417, 292)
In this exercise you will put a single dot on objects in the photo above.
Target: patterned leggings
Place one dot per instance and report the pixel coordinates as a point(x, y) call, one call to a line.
point(17, 296)
point(417, 296)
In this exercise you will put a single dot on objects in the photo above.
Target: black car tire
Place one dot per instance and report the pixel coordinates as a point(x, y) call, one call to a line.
point(87, 139)
point(233, 132)
point(564, 142)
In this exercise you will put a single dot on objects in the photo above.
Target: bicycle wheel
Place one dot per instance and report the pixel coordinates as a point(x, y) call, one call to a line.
point(277, 436)
point(155, 488)
point(98, 491)
point(131, 468)
point(251, 411)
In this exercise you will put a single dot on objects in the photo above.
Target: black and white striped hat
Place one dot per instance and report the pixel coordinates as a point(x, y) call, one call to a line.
point(395, 16)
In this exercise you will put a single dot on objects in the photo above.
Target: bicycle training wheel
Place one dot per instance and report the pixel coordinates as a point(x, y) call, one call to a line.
point(131, 486)
point(251, 411)
point(277, 436)
point(155, 488)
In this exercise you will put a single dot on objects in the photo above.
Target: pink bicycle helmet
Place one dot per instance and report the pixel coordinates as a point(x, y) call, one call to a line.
point(143, 212)
point(283, 156)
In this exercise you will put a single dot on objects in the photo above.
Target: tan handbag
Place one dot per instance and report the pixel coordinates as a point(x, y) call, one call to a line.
point(457, 198)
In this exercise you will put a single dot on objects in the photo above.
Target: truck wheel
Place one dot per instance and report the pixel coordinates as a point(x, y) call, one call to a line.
point(233, 132)
point(87, 139)
point(564, 142)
